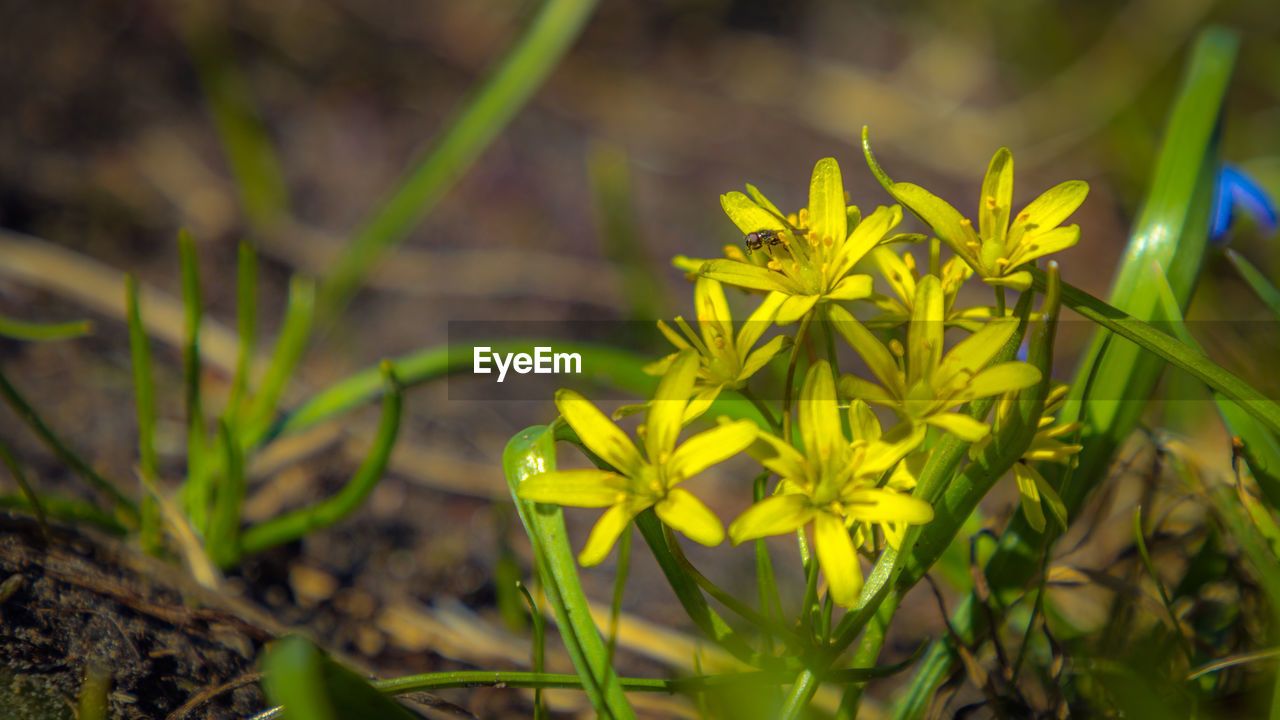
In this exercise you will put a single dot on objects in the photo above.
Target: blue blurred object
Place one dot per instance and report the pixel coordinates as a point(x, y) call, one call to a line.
point(1238, 191)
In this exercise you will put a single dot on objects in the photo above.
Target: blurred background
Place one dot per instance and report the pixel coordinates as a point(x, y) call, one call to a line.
point(287, 125)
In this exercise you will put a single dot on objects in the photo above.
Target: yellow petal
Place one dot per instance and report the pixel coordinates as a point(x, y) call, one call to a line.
point(700, 402)
point(997, 379)
point(852, 386)
point(901, 440)
point(575, 488)
point(759, 321)
point(713, 311)
point(962, 426)
point(994, 205)
point(827, 216)
point(925, 330)
point(974, 352)
point(948, 224)
point(866, 236)
point(851, 287)
point(763, 201)
point(838, 559)
point(895, 272)
point(770, 451)
point(686, 513)
point(1040, 244)
point(773, 515)
point(795, 307)
point(597, 432)
point(710, 447)
point(818, 413)
point(747, 215)
point(877, 506)
point(873, 352)
point(1051, 208)
point(607, 530)
point(666, 412)
point(762, 355)
point(863, 423)
point(743, 275)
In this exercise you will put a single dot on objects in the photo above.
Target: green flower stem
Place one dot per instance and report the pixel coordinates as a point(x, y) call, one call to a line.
point(788, 389)
point(123, 506)
point(529, 453)
point(766, 583)
point(829, 335)
point(521, 73)
point(619, 583)
point(758, 619)
point(291, 526)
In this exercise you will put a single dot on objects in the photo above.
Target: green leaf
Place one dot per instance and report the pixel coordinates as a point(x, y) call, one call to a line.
point(1261, 286)
point(150, 527)
point(529, 453)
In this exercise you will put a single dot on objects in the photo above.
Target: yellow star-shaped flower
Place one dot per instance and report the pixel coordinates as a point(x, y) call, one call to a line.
point(814, 255)
point(931, 383)
point(832, 483)
point(641, 480)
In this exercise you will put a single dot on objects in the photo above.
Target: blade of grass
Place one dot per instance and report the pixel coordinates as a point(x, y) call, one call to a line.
point(530, 452)
point(123, 506)
point(1258, 282)
point(520, 73)
point(150, 525)
point(291, 526)
point(616, 223)
point(539, 648)
point(72, 511)
point(197, 490)
point(29, 493)
point(223, 539)
point(246, 330)
point(229, 99)
point(294, 332)
point(19, 330)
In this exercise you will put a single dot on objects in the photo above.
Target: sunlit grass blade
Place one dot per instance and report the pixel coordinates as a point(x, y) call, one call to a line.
point(94, 691)
point(20, 330)
point(293, 525)
point(292, 341)
point(612, 366)
point(197, 490)
point(530, 452)
point(150, 526)
point(28, 492)
point(310, 686)
point(223, 539)
point(485, 115)
point(618, 227)
point(1258, 282)
point(229, 99)
point(1172, 230)
point(126, 510)
point(246, 329)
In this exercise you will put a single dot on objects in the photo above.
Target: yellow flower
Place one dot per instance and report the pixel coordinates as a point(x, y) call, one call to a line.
point(998, 249)
point(643, 480)
point(931, 384)
point(1035, 492)
point(814, 254)
point(725, 361)
point(832, 483)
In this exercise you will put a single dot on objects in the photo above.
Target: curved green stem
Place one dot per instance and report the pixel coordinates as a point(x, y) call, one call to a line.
point(788, 390)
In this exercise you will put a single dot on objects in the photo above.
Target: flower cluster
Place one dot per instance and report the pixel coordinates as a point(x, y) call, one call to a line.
point(843, 481)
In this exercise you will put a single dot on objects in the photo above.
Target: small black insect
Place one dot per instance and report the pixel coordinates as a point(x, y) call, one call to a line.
point(760, 238)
